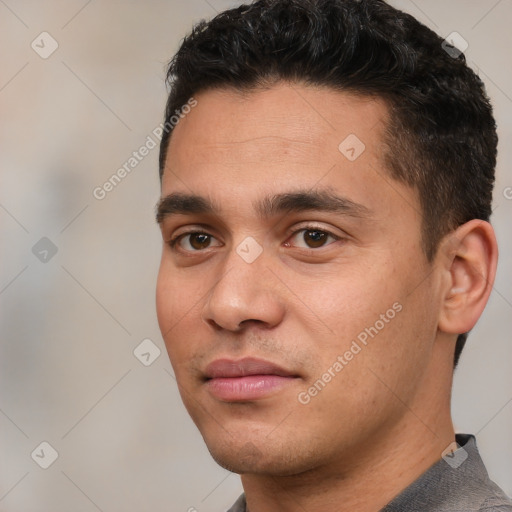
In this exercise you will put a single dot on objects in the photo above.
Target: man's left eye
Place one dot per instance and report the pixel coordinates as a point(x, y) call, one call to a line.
point(311, 238)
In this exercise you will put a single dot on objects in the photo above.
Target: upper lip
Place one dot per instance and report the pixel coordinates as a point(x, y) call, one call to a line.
point(244, 367)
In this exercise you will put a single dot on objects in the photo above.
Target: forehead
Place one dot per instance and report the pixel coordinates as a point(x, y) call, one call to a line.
point(288, 122)
point(236, 147)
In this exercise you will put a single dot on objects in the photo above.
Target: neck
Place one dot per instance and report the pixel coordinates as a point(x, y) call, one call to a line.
point(371, 475)
point(381, 471)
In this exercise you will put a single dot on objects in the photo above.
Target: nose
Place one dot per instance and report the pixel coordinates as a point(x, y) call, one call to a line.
point(246, 293)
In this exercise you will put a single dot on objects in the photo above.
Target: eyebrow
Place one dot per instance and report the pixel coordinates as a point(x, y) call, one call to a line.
point(297, 201)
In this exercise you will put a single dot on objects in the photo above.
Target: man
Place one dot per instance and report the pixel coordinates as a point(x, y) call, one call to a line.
point(326, 181)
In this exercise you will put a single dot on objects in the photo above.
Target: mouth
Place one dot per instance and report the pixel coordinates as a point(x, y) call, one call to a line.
point(245, 380)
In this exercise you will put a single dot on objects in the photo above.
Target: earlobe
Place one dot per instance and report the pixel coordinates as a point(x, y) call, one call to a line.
point(471, 266)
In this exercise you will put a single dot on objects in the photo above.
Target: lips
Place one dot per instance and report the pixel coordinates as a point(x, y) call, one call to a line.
point(243, 368)
point(246, 379)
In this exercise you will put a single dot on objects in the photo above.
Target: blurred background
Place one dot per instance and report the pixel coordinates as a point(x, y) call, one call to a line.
point(81, 89)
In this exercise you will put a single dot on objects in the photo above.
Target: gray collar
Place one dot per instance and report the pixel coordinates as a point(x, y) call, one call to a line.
point(456, 483)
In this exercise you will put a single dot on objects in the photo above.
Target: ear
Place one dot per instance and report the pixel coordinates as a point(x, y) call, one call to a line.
point(471, 258)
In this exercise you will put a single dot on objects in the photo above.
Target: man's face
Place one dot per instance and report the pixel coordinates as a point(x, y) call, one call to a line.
point(304, 255)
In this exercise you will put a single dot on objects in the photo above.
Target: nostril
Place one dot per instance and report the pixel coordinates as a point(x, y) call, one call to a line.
point(212, 323)
point(251, 320)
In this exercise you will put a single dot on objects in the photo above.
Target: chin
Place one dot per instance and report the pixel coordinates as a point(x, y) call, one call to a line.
point(268, 459)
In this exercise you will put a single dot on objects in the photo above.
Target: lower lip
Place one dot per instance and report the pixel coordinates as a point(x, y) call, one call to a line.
point(252, 387)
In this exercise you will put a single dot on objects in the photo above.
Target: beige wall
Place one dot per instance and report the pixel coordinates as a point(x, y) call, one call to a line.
point(69, 325)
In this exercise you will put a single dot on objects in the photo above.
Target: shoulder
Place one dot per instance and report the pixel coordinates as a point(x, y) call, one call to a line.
point(456, 484)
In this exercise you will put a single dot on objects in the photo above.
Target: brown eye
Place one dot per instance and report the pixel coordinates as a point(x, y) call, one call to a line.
point(194, 241)
point(311, 238)
point(200, 240)
point(315, 238)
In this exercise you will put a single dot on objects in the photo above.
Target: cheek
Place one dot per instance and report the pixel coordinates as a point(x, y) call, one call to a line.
point(165, 298)
point(177, 306)
point(393, 321)
point(370, 306)
point(351, 300)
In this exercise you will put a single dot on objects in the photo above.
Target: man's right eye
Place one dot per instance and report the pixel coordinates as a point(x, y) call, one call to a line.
point(193, 241)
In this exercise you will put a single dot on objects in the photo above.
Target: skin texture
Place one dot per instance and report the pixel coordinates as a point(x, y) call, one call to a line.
point(384, 418)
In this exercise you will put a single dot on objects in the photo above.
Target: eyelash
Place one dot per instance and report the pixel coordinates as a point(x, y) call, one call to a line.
point(172, 243)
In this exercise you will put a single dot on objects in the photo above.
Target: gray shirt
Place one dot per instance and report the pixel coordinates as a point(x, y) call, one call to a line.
point(456, 483)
